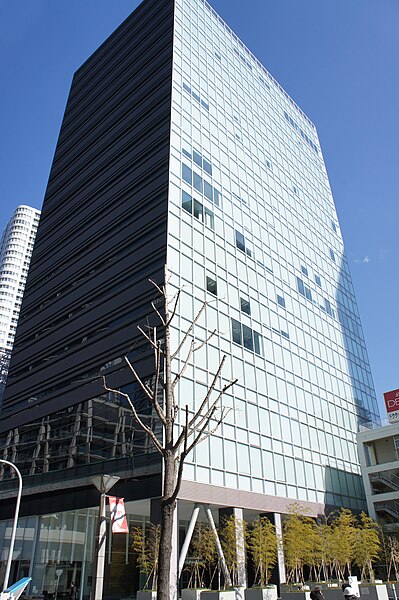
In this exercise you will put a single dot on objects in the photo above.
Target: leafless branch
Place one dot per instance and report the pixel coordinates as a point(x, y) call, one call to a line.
point(147, 337)
point(160, 290)
point(209, 392)
point(189, 330)
point(198, 439)
point(194, 426)
point(186, 436)
point(181, 459)
point(150, 393)
point(175, 411)
point(185, 365)
point(174, 308)
point(155, 402)
point(201, 430)
point(144, 427)
point(159, 314)
point(199, 419)
point(201, 344)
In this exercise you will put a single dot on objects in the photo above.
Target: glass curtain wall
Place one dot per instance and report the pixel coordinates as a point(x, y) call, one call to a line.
point(58, 548)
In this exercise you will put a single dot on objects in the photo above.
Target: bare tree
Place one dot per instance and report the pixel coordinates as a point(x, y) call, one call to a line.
point(194, 428)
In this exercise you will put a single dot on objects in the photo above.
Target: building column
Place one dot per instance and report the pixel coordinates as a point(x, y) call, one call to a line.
point(155, 519)
point(280, 550)
point(187, 539)
point(238, 513)
point(275, 519)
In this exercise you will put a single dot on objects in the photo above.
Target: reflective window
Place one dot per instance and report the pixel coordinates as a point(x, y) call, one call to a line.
point(241, 245)
point(211, 285)
point(281, 301)
point(197, 182)
point(245, 306)
point(187, 174)
point(245, 336)
point(187, 202)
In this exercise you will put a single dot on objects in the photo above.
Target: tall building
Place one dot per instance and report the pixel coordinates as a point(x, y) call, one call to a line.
point(178, 147)
point(15, 253)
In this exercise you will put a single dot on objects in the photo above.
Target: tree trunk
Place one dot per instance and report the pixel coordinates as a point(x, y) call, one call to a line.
point(167, 515)
point(165, 547)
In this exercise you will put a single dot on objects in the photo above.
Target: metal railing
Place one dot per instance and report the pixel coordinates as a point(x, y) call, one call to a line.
point(373, 425)
point(392, 508)
point(389, 479)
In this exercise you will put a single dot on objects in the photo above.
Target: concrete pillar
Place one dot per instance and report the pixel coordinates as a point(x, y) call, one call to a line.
point(280, 549)
point(98, 580)
point(219, 550)
point(275, 519)
point(238, 513)
point(189, 535)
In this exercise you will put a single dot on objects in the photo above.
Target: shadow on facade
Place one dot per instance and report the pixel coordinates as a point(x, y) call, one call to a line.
point(357, 391)
point(360, 379)
point(341, 485)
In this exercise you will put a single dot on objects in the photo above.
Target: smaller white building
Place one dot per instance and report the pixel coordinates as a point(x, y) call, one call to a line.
point(379, 460)
point(15, 253)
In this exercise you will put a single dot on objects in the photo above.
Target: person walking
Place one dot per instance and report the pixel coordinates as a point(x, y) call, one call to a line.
point(348, 591)
point(73, 591)
point(316, 594)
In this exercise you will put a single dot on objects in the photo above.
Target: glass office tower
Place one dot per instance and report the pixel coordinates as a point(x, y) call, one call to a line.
point(252, 226)
point(178, 147)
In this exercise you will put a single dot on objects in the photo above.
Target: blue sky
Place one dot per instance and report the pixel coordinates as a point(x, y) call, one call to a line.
point(338, 59)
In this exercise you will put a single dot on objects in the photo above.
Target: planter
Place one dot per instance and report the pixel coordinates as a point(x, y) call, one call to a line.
point(331, 592)
point(266, 593)
point(218, 595)
point(147, 595)
point(294, 593)
point(192, 593)
point(373, 591)
point(240, 593)
point(390, 590)
point(296, 587)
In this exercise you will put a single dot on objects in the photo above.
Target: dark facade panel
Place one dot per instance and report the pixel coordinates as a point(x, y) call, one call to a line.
point(102, 234)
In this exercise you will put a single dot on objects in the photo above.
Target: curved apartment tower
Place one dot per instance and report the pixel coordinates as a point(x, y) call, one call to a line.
point(15, 253)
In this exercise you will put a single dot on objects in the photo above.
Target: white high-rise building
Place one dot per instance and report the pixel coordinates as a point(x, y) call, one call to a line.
point(15, 253)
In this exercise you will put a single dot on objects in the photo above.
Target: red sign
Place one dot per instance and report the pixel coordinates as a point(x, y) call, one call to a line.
point(392, 401)
point(118, 515)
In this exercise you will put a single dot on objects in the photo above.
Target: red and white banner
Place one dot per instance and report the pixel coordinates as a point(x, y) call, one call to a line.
point(118, 515)
point(392, 405)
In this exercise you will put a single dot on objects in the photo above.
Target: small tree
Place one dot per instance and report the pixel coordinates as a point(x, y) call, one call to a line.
point(393, 557)
point(145, 543)
point(233, 544)
point(175, 444)
point(322, 553)
point(343, 541)
point(203, 556)
point(298, 532)
point(367, 546)
point(262, 547)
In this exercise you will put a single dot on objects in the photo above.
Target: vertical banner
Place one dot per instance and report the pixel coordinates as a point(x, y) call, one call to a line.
point(118, 515)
